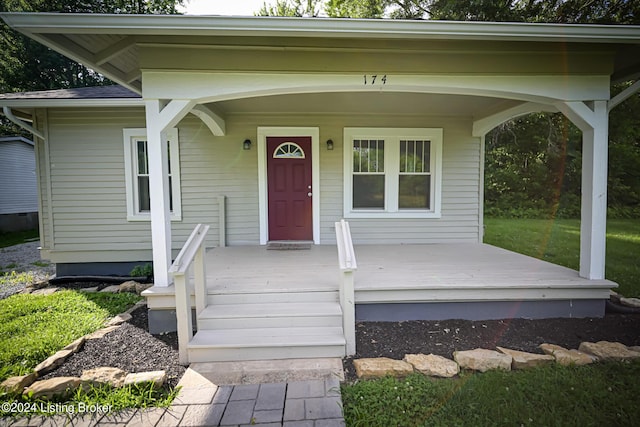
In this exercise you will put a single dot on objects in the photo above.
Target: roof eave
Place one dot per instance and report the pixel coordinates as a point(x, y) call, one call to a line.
point(43, 23)
point(67, 102)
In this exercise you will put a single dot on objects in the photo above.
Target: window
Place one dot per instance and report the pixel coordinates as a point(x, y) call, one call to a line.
point(288, 150)
point(393, 173)
point(137, 174)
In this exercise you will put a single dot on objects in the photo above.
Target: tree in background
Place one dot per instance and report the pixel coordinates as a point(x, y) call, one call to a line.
point(292, 8)
point(28, 65)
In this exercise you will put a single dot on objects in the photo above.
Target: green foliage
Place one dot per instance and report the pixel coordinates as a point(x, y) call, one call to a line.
point(130, 396)
point(14, 278)
point(558, 241)
point(355, 8)
point(142, 271)
point(292, 8)
point(594, 395)
point(17, 237)
point(33, 327)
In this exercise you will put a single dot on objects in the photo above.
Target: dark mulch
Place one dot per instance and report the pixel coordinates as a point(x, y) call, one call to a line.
point(395, 339)
point(131, 348)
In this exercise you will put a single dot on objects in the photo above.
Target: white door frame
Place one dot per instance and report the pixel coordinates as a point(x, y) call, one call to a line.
point(263, 194)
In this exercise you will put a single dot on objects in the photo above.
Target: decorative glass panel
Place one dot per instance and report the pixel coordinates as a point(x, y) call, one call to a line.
point(414, 192)
point(368, 191)
point(288, 150)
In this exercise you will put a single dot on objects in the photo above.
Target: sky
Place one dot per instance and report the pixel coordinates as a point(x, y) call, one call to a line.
point(224, 7)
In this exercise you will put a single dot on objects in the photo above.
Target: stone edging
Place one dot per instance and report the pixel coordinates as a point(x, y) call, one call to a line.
point(28, 384)
point(482, 360)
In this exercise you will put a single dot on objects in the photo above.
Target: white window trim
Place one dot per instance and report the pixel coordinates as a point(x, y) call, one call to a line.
point(392, 136)
point(131, 135)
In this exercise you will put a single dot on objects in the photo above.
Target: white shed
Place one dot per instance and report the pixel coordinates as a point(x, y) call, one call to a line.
point(18, 186)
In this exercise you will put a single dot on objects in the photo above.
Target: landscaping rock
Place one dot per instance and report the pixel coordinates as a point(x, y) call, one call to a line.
point(112, 288)
point(91, 289)
point(100, 333)
point(605, 350)
point(482, 360)
point(567, 357)
point(52, 362)
point(524, 360)
point(433, 365)
point(119, 319)
point(75, 346)
point(16, 385)
point(141, 287)
point(45, 291)
point(128, 286)
point(630, 302)
point(53, 387)
point(104, 375)
point(381, 367)
point(156, 377)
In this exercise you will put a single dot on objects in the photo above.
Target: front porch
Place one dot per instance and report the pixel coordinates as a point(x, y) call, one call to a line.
point(285, 303)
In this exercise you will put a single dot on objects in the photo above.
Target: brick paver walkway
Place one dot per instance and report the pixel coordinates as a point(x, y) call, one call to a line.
point(313, 403)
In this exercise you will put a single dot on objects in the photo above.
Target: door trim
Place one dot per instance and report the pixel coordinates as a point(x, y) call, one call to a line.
point(263, 194)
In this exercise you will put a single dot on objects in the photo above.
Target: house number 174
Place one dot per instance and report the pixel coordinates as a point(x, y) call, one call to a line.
point(371, 79)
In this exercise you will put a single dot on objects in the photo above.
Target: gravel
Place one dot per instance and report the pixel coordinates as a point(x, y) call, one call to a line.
point(131, 348)
point(21, 258)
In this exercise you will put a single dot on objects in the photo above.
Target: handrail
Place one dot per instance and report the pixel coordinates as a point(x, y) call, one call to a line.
point(346, 253)
point(348, 264)
point(191, 253)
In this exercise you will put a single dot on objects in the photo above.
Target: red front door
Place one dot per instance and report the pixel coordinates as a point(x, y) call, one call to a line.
point(289, 188)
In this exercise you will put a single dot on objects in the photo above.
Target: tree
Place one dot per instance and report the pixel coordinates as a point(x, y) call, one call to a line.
point(28, 65)
point(355, 8)
point(292, 8)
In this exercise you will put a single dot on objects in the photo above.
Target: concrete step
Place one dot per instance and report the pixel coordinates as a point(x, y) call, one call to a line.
point(265, 297)
point(270, 315)
point(266, 344)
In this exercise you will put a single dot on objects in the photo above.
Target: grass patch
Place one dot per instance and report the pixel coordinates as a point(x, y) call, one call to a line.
point(15, 238)
point(595, 395)
point(33, 327)
point(13, 278)
point(558, 241)
point(41, 264)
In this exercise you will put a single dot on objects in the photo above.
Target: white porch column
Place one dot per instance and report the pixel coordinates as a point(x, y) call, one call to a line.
point(593, 224)
point(594, 123)
point(158, 120)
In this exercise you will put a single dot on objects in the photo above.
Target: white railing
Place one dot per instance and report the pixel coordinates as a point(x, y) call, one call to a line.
point(191, 253)
point(347, 262)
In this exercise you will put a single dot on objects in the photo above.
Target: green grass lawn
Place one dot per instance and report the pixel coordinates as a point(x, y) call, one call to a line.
point(594, 395)
point(33, 327)
point(558, 241)
point(15, 238)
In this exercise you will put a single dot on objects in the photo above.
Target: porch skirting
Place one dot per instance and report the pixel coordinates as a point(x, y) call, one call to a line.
point(479, 310)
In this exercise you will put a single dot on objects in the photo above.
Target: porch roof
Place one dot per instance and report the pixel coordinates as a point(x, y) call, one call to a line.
point(110, 43)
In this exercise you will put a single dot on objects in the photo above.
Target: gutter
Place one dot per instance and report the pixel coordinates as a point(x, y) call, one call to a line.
point(21, 123)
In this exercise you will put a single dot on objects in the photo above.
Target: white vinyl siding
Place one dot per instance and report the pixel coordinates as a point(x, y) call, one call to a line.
point(137, 174)
point(380, 164)
point(18, 185)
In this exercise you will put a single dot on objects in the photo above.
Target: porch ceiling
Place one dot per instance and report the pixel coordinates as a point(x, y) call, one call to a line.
point(368, 103)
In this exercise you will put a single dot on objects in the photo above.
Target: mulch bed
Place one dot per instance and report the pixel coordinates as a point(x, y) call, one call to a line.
point(395, 339)
point(133, 349)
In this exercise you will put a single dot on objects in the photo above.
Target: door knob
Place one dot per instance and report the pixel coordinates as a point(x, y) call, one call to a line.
point(309, 194)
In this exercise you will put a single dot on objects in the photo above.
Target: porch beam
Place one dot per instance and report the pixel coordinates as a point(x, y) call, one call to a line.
point(158, 120)
point(110, 52)
point(483, 125)
point(214, 122)
point(594, 123)
point(624, 95)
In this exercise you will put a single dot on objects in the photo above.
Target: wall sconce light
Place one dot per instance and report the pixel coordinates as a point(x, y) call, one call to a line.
point(246, 144)
point(329, 144)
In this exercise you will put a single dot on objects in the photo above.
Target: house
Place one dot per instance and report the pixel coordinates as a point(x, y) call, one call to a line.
point(18, 186)
point(271, 130)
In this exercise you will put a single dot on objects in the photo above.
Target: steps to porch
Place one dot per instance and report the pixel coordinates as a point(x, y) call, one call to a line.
point(268, 325)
